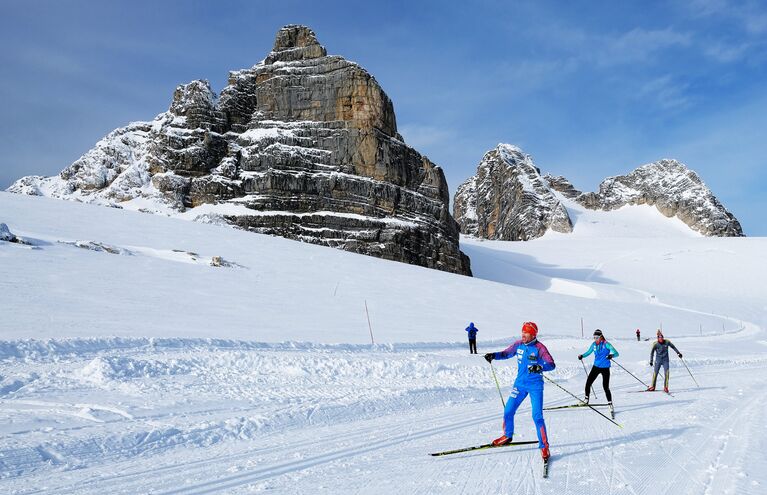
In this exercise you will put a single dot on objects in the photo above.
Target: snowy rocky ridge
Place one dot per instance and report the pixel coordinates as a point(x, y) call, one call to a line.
point(508, 199)
point(674, 189)
point(302, 145)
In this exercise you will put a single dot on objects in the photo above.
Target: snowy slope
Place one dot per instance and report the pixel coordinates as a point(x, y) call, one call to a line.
point(150, 371)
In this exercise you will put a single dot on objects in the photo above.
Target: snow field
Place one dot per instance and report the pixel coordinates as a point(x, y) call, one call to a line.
point(141, 368)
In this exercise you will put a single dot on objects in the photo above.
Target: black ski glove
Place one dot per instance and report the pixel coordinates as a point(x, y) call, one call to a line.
point(650, 363)
point(580, 357)
point(609, 356)
point(680, 355)
point(489, 357)
point(535, 368)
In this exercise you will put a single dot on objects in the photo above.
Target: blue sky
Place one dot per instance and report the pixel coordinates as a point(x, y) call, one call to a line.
point(590, 89)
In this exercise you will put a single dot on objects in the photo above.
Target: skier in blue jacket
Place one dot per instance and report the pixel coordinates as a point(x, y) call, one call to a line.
point(532, 360)
point(603, 353)
point(472, 337)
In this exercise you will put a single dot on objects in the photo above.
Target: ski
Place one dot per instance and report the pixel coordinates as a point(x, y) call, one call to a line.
point(572, 405)
point(637, 391)
point(545, 468)
point(483, 447)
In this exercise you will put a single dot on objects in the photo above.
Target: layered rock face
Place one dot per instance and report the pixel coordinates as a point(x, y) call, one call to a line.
point(674, 189)
point(302, 145)
point(562, 185)
point(508, 199)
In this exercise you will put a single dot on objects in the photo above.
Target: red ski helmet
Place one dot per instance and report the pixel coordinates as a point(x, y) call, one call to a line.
point(530, 327)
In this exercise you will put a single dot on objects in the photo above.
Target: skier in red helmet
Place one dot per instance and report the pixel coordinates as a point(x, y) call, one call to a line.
point(532, 360)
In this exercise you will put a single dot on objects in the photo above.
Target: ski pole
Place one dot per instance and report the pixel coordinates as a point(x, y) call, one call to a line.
point(583, 402)
point(497, 385)
point(630, 373)
point(688, 371)
point(587, 374)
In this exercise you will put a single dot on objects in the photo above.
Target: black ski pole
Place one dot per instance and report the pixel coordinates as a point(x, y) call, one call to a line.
point(587, 374)
point(630, 373)
point(583, 402)
point(497, 385)
point(688, 371)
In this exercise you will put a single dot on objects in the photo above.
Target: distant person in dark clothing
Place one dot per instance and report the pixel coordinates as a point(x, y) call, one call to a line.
point(638, 339)
point(472, 337)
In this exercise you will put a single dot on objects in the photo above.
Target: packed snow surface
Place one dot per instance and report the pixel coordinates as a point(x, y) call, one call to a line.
point(129, 363)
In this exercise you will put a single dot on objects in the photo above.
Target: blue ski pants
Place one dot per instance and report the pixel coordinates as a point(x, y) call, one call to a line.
point(516, 397)
point(658, 364)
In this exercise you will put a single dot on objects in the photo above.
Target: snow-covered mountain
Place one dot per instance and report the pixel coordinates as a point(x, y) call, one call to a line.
point(508, 199)
point(674, 189)
point(302, 145)
point(132, 362)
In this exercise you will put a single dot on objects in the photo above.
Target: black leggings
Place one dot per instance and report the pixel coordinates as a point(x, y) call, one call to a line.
point(605, 372)
point(472, 346)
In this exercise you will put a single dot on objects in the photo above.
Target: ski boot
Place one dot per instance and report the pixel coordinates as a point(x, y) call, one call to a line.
point(651, 389)
point(665, 389)
point(612, 410)
point(502, 440)
point(586, 399)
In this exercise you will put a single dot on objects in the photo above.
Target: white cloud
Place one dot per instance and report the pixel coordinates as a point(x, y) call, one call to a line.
point(749, 14)
point(637, 45)
point(424, 136)
point(667, 92)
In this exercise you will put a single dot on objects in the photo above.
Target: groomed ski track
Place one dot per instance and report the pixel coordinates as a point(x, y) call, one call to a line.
point(703, 438)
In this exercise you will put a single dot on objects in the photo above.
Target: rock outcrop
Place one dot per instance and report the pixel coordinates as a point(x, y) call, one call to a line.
point(674, 189)
point(6, 234)
point(562, 185)
point(302, 145)
point(508, 199)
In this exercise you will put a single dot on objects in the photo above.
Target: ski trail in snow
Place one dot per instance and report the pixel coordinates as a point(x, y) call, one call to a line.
point(282, 451)
point(234, 481)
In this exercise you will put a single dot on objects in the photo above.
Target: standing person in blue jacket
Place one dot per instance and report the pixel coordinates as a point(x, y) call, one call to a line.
point(532, 360)
point(472, 337)
point(603, 354)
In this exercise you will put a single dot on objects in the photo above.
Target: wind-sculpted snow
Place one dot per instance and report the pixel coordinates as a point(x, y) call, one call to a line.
point(102, 386)
point(508, 199)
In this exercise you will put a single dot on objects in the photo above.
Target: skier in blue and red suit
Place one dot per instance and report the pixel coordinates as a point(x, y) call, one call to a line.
point(532, 360)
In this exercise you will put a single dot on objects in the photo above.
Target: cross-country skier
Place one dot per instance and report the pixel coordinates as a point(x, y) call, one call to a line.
point(638, 339)
point(660, 352)
point(472, 337)
point(603, 353)
point(532, 360)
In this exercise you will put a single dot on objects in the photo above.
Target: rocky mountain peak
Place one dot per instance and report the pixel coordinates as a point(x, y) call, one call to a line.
point(508, 199)
point(196, 94)
point(295, 42)
point(301, 145)
point(194, 105)
point(674, 189)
